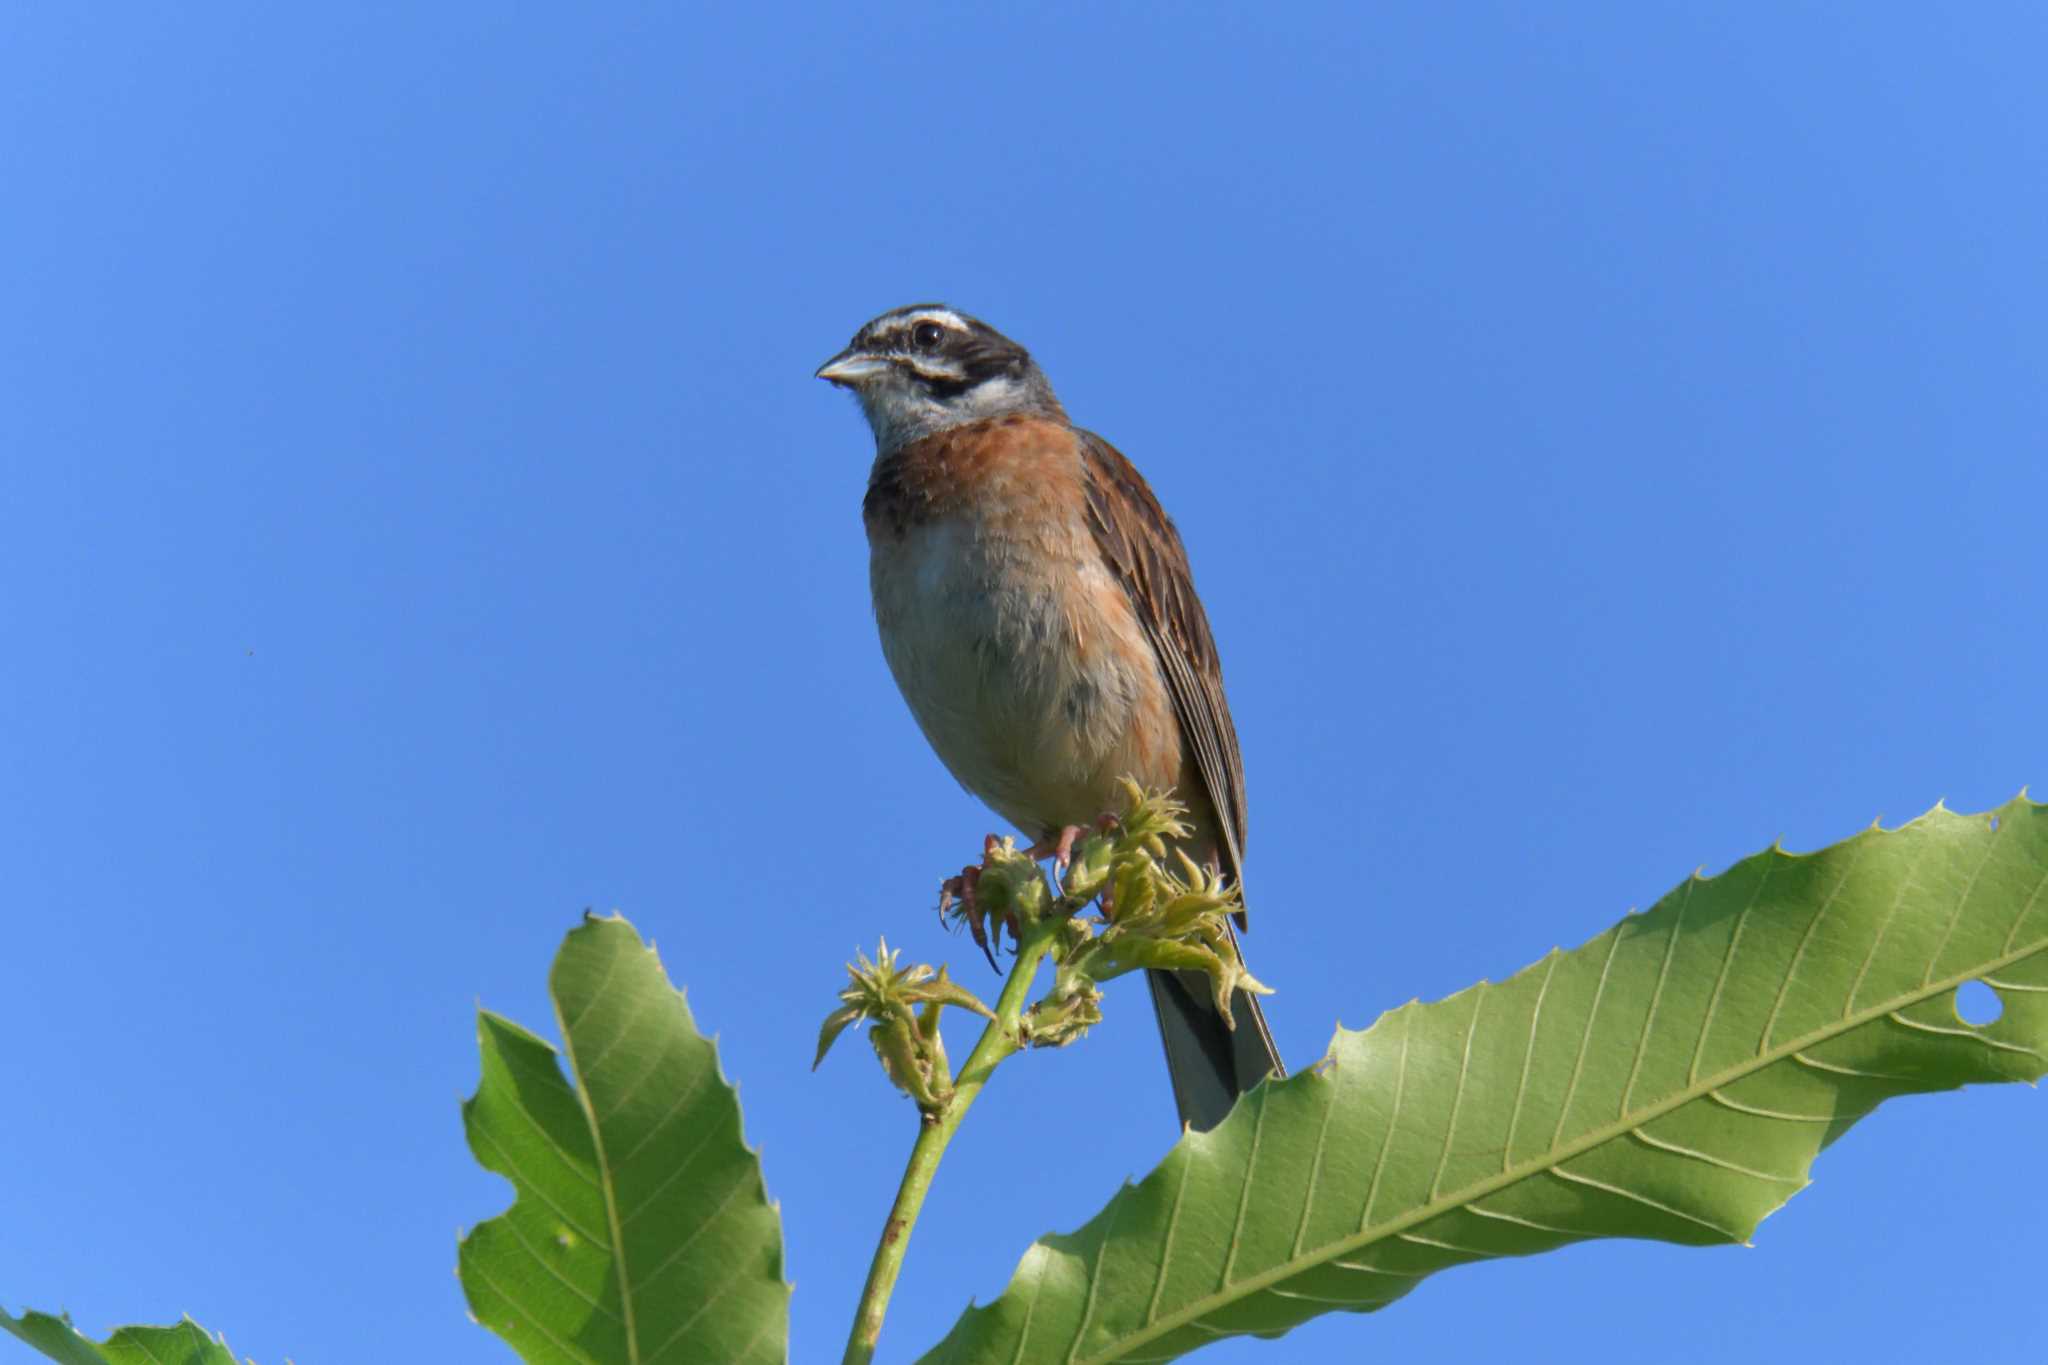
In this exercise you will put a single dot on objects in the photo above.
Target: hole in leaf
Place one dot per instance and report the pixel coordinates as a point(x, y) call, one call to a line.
point(1977, 1004)
point(1994, 824)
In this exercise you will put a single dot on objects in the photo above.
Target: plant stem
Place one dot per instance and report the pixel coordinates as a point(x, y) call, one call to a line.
point(998, 1042)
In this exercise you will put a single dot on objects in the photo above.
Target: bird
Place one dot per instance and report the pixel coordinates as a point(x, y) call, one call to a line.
point(1037, 611)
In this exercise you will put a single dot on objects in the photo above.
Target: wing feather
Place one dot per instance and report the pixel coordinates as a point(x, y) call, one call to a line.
point(1143, 548)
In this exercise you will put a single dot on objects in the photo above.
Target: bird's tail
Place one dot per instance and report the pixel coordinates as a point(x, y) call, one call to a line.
point(1210, 1062)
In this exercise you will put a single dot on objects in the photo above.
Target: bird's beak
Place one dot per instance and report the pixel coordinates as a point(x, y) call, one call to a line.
point(850, 367)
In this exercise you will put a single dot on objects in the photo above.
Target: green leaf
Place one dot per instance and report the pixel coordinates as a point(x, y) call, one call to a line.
point(185, 1344)
point(641, 1231)
point(1672, 1079)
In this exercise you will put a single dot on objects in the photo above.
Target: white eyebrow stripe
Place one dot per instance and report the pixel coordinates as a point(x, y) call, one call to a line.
point(945, 317)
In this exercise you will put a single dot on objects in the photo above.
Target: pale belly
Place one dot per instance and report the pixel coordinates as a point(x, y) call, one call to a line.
point(1026, 672)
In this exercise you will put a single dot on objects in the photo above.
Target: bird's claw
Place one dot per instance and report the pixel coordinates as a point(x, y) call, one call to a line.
point(961, 889)
point(1059, 848)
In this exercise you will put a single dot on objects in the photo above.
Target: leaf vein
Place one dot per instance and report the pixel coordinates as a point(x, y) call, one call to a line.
point(1244, 1195)
point(519, 1236)
point(1443, 1158)
point(1699, 1049)
point(683, 1097)
point(1364, 1269)
point(1671, 936)
point(1372, 1194)
point(1565, 1173)
point(738, 1183)
point(1315, 1173)
point(625, 1029)
point(1166, 1248)
point(511, 1304)
point(596, 993)
point(607, 1176)
point(1763, 1043)
point(1741, 1108)
point(1906, 884)
point(1309, 1298)
point(1710, 1159)
point(1441, 1244)
point(676, 1171)
point(2033, 901)
point(1507, 1151)
point(525, 1184)
point(1971, 1034)
point(733, 1271)
point(554, 1080)
point(1585, 1038)
point(1115, 1211)
point(1962, 903)
point(1484, 1212)
point(1816, 1064)
point(1030, 1305)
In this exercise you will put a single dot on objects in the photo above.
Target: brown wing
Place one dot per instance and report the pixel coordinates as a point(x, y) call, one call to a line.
point(1145, 551)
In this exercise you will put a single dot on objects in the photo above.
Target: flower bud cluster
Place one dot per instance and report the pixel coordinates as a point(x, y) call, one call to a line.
point(901, 1007)
point(1160, 909)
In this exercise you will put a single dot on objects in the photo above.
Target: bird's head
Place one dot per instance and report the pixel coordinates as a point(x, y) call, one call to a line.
point(925, 367)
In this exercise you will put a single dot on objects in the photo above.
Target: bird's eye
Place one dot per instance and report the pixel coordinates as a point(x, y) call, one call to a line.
point(926, 335)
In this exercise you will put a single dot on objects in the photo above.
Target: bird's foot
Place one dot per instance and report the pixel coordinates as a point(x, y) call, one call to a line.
point(1059, 848)
point(961, 891)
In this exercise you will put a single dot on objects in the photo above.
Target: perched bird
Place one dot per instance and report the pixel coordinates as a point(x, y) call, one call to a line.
point(1036, 609)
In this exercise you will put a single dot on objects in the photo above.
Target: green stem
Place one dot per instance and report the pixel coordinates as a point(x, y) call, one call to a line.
point(998, 1042)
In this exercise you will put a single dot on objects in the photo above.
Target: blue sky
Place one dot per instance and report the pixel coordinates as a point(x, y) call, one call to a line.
point(1607, 441)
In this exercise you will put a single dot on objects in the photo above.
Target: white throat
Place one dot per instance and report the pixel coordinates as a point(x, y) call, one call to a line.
point(900, 410)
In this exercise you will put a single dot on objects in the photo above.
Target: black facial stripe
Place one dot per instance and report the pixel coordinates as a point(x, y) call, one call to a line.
point(977, 361)
point(946, 390)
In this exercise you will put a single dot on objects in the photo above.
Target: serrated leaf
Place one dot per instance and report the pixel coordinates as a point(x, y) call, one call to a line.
point(1672, 1079)
point(186, 1343)
point(641, 1231)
